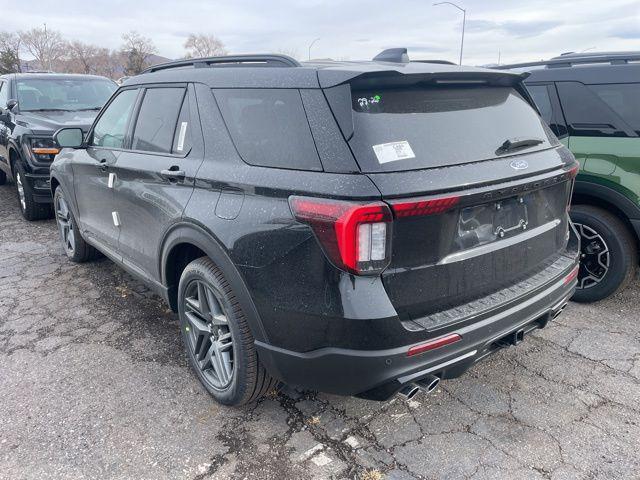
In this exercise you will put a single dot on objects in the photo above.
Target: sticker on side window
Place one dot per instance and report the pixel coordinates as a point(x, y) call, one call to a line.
point(181, 135)
point(393, 151)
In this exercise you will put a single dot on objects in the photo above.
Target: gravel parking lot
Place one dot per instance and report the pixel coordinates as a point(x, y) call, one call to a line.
point(94, 384)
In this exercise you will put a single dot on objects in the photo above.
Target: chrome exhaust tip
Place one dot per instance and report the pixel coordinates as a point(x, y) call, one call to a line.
point(408, 391)
point(429, 383)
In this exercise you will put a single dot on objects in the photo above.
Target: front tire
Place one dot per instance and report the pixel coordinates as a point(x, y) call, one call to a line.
point(30, 209)
point(73, 244)
point(3, 177)
point(609, 254)
point(217, 338)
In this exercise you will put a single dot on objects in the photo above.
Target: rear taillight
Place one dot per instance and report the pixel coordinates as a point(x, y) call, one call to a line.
point(434, 206)
point(356, 237)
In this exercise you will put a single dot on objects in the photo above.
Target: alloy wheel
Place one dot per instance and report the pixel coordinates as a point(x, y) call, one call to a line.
point(20, 187)
point(208, 335)
point(595, 257)
point(65, 225)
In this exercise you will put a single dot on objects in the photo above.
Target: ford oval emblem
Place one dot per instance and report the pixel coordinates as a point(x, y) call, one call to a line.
point(519, 164)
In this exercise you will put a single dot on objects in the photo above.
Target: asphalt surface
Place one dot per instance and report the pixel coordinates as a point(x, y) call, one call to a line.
point(94, 384)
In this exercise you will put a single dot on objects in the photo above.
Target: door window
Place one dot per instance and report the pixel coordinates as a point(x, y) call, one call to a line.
point(156, 124)
point(182, 135)
point(111, 128)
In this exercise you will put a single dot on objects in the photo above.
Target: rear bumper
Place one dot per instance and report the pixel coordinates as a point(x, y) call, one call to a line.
point(378, 374)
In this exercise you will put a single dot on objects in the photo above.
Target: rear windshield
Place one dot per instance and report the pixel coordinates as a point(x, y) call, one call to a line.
point(415, 128)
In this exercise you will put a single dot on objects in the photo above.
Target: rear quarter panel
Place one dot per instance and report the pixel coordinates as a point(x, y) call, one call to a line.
point(610, 162)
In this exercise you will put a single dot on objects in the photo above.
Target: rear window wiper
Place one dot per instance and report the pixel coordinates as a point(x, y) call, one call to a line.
point(516, 143)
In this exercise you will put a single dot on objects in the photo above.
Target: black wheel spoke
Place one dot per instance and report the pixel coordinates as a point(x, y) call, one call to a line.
point(594, 257)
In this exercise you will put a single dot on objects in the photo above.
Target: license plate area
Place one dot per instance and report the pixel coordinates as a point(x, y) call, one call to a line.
point(482, 224)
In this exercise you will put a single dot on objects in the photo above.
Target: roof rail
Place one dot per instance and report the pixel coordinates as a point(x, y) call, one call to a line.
point(571, 59)
point(270, 60)
point(440, 62)
point(395, 55)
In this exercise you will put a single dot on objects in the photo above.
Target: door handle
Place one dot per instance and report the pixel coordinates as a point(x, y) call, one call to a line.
point(174, 174)
point(103, 165)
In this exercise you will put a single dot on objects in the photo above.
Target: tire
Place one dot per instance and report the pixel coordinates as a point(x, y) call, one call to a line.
point(28, 207)
point(234, 375)
point(3, 177)
point(609, 253)
point(72, 242)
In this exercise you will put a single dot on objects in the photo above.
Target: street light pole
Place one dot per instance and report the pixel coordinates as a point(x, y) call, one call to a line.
point(464, 21)
point(311, 45)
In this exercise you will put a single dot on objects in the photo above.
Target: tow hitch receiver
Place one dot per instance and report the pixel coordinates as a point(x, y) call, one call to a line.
point(512, 339)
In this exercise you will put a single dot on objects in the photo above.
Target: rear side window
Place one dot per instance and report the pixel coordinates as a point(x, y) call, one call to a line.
point(624, 99)
point(423, 127)
point(588, 114)
point(157, 120)
point(269, 127)
point(540, 95)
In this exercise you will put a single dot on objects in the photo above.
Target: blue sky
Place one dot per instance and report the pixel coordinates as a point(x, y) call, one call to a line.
point(515, 30)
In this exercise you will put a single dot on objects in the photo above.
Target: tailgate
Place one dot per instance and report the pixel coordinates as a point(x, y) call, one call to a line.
point(475, 237)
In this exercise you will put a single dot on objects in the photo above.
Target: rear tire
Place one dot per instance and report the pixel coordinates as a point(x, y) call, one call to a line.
point(217, 337)
point(73, 244)
point(30, 209)
point(3, 177)
point(609, 253)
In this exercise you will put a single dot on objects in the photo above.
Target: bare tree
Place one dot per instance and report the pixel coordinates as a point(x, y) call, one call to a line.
point(136, 49)
point(109, 64)
point(81, 57)
point(203, 45)
point(46, 46)
point(9, 53)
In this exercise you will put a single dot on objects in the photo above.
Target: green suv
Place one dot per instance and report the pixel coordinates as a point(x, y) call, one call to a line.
point(591, 101)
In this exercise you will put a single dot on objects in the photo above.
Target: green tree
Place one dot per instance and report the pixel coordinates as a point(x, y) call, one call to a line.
point(9, 53)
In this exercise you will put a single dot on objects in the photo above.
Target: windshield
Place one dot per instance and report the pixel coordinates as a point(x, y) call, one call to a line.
point(63, 94)
point(423, 127)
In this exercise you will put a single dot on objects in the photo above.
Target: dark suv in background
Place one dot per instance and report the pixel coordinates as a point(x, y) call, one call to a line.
point(32, 107)
point(360, 228)
point(592, 103)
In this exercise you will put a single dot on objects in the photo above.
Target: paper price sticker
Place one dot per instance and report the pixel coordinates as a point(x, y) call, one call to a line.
point(393, 151)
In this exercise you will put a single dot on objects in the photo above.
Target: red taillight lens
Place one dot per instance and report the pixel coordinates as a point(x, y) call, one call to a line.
point(433, 344)
point(424, 207)
point(356, 237)
point(572, 275)
point(573, 171)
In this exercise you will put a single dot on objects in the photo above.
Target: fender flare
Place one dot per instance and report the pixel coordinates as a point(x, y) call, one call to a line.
point(609, 195)
point(197, 235)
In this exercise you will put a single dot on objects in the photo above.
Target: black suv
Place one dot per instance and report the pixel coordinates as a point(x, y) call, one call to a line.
point(32, 107)
point(360, 228)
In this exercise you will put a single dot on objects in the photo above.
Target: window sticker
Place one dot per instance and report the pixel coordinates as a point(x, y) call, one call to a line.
point(393, 151)
point(181, 135)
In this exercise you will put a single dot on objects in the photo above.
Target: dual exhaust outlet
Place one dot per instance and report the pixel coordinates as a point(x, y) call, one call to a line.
point(427, 384)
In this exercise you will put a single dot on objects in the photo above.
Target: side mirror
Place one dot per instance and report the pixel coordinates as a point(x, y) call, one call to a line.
point(69, 137)
point(11, 104)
